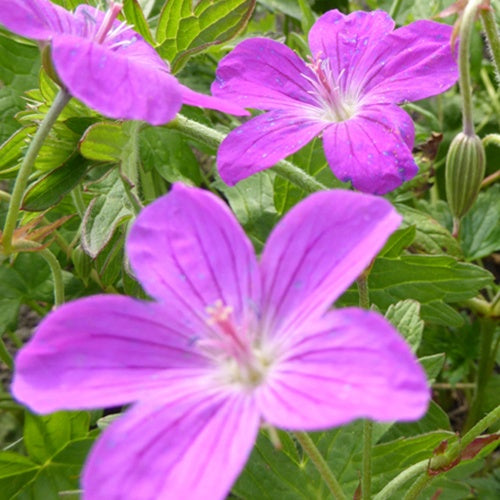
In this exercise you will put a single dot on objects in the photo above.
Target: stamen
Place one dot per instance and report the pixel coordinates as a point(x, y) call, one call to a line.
point(107, 23)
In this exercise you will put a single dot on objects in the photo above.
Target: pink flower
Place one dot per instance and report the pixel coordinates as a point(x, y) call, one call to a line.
point(230, 342)
point(361, 69)
point(104, 63)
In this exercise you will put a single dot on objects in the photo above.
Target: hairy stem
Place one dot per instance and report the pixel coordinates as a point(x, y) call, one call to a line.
point(58, 105)
point(490, 28)
point(213, 138)
point(317, 459)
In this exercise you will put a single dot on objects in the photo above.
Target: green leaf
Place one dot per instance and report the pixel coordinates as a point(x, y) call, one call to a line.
point(430, 237)
point(52, 188)
point(425, 278)
point(104, 214)
point(398, 241)
point(13, 148)
point(433, 365)
point(135, 17)
point(311, 159)
point(480, 230)
point(104, 141)
point(15, 471)
point(167, 152)
point(19, 63)
point(405, 316)
point(44, 436)
point(185, 29)
point(253, 204)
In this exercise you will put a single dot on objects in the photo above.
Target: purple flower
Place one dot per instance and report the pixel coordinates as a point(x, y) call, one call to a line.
point(360, 70)
point(104, 63)
point(229, 343)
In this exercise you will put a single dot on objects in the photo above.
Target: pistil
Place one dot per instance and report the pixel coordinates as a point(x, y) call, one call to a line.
point(112, 13)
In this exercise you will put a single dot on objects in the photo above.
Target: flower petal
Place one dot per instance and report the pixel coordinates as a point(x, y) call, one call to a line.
point(414, 62)
point(263, 141)
point(104, 351)
point(350, 43)
point(193, 98)
point(263, 74)
point(189, 449)
point(373, 149)
point(37, 19)
point(316, 252)
point(127, 82)
point(188, 251)
point(352, 364)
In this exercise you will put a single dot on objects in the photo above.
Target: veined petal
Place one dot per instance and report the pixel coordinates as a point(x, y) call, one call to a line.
point(349, 42)
point(351, 364)
point(263, 141)
point(127, 82)
point(37, 19)
point(263, 74)
point(104, 351)
point(188, 251)
point(372, 149)
point(413, 62)
point(316, 251)
point(189, 449)
point(193, 98)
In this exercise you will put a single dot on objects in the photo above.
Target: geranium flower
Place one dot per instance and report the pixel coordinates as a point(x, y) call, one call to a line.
point(348, 93)
point(104, 63)
point(229, 343)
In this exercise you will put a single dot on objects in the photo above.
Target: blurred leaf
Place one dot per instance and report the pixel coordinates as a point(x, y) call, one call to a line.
point(480, 229)
point(51, 189)
point(186, 28)
point(404, 315)
point(104, 141)
point(15, 471)
point(288, 7)
point(135, 17)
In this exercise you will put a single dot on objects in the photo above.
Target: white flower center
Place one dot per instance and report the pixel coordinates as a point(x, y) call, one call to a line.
point(334, 103)
point(237, 352)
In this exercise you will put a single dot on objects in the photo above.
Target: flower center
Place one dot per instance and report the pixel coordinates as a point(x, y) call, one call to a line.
point(241, 358)
point(335, 105)
point(107, 22)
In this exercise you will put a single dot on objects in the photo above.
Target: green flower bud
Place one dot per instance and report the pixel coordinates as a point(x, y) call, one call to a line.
point(82, 263)
point(465, 165)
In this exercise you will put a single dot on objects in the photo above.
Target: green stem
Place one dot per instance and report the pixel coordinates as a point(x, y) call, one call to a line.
point(58, 105)
point(5, 356)
point(77, 197)
point(394, 10)
point(464, 67)
point(490, 419)
point(367, 459)
point(395, 484)
point(490, 28)
point(56, 275)
point(213, 138)
point(317, 459)
point(364, 302)
point(417, 487)
point(4, 196)
point(484, 371)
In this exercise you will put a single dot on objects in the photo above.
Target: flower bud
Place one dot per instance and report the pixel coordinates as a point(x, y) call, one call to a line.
point(82, 263)
point(465, 165)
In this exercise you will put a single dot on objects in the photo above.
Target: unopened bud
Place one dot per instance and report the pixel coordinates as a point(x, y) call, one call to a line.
point(465, 165)
point(82, 263)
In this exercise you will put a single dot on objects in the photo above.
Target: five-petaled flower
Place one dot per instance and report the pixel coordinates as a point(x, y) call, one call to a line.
point(360, 70)
point(104, 63)
point(229, 343)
